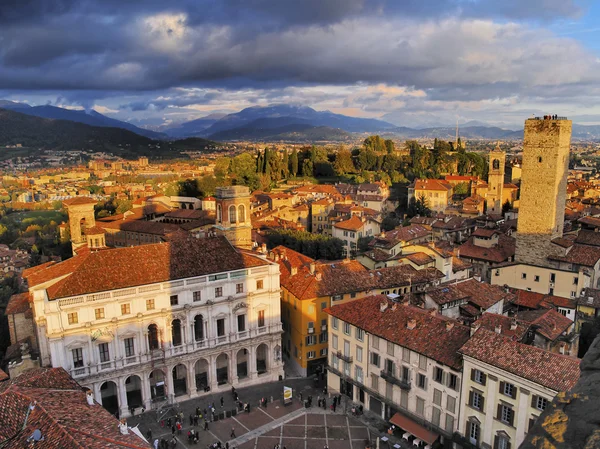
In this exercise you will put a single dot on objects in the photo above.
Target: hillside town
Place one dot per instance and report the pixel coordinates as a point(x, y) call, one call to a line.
point(450, 315)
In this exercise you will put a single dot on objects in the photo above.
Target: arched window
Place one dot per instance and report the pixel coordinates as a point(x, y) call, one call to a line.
point(199, 328)
point(496, 164)
point(153, 337)
point(218, 213)
point(232, 214)
point(176, 332)
point(241, 213)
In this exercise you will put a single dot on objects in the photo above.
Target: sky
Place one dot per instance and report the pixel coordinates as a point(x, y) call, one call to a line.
point(410, 62)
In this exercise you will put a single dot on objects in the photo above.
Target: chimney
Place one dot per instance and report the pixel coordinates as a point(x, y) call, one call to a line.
point(449, 325)
point(394, 307)
point(318, 276)
point(498, 329)
point(513, 324)
point(312, 268)
point(382, 235)
point(474, 328)
point(411, 324)
point(433, 312)
point(383, 306)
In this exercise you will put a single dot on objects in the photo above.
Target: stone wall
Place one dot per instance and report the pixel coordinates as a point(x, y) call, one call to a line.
point(571, 420)
point(20, 328)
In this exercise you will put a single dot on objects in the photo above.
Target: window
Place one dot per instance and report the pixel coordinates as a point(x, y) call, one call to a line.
point(449, 423)
point(360, 334)
point(540, 403)
point(103, 351)
point(435, 416)
point(451, 404)
point(375, 342)
point(453, 381)
point(552, 277)
point(99, 313)
point(259, 284)
point(438, 375)
point(375, 382)
point(390, 348)
point(422, 362)
point(403, 398)
point(359, 374)
point(334, 341)
point(324, 352)
point(422, 381)
point(218, 292)
point(573, 294)
point(506, 414)
point(150, 304)
point(334, 323)
point(507, 389)
point(390, 367)
point(125, 309)
point(359, 354)
point(197, 296)
point(523, 275)
point(323, 337)
point(311, 354)
point(501, 442)
point(536, 278)
point(239, 288)
point(352, 295)
point(174, 300)
point(261, 318)
point(72, 318)
point(220, 327)
point(129, 347)
point(347, 328)
point(478, 376)
point(405, 374)
point(575, 280)
point(375, 359)
point(77, 354)
point(420, 406)
point(311, 340)
point(476, 400)
point(323, 305)
point(241, 323)
point(311, 310)
point(473, 432)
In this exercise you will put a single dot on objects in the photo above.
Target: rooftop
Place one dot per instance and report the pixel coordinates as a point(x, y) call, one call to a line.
point(555, 371)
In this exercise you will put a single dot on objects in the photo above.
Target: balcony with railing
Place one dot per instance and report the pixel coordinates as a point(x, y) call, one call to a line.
point(389, 376)
point(79, 372)
point(343, 357)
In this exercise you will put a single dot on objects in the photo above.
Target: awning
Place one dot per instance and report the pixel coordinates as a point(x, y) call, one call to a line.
point(414, 428)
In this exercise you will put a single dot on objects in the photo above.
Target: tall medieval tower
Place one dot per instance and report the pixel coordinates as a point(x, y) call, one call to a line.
point(543, 189)
point(495, 181)
point(81, 217)
point(233, 215)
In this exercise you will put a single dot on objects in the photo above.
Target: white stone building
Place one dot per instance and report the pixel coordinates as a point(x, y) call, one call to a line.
point(147, 325)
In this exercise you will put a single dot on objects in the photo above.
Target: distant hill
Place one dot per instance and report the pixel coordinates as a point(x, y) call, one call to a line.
point(36, 132)
point(286, 133)
point(194, 127)
point(92, 118)
point(275, 116)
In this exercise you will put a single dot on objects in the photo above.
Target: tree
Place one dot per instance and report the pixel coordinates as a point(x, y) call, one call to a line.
point(462, 188)
point(391, 221)
point(418, 206)
point(375, 143)
point(506, 207)
point(285, 165)
point(389, 146)
point(307, 167)
point(343, 163)
point(294, 163)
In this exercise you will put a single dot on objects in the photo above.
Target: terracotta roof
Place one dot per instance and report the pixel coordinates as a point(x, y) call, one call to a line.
point(562, 242)
point(352, 224)
point(378, 255)
point(429, 337)
point(508, 185)
point(555, 371)
point(78, 200)
point(146, 264)
point(533, 300)
point(588, 238)
point(590, 297)
point(432, 184)
point(189, 214)
point(453, 223)
point(550, 323)
point(590, 221)
point(94, 230)
point(485, 232)
point(458, 264)
point(140, 226)
point(480, 294)
point(3, 376)
point(580, 255)
point(420, 258)
point(508, 327)
point(502, 252)
point(61, 413)
point(401, 234)
point(18, 303)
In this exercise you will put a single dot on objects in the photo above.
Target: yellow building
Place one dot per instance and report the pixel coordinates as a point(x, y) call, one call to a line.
point(437, 193)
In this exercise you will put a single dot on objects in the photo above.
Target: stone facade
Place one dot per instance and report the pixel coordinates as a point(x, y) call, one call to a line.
point(233, 215)
point(543, 189)
point(495, 181)
point(81, 216)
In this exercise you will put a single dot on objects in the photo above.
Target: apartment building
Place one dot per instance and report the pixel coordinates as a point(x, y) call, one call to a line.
point(400, 361)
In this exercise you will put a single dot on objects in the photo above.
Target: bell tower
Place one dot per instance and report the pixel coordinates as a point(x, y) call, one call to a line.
point(233, 215)
point(81, 217)
point(495, 180)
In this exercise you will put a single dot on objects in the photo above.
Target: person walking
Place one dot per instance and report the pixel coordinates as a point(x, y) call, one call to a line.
point(156, 444)
point(222, 402)
point(149, 435)
point(232, 432)
point(205, 424)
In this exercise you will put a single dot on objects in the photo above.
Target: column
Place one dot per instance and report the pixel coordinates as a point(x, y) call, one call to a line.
point(170, 393)
point(146, 395)
point(191, 380)
point(253, 372)
point(212, 372)
point(122, 395)
point(233, 377)
point(97, 394)
point(192, 341)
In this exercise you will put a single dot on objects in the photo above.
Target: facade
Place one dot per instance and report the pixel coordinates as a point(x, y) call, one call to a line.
point(543, 189)
point(351, 230)
point(81, 216)
point(233, 215)
point(506, 386)
point(152, 324)
point(437, 193)
point(382, 355)
point(494, 195)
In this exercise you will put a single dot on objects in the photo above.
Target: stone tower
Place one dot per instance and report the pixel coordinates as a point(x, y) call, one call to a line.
point(543, 189)
point(81, 216)
point(495, 181)
point(233, 215)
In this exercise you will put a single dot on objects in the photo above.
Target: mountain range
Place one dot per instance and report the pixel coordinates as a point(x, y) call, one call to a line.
point(284, 123)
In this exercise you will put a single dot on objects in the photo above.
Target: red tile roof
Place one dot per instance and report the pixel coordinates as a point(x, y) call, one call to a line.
point(430, 337)
point(485, 232)
point(508, 327)
point(78, 200)
point(420, 258)
point(401, 234)
point(18, 303)
point(480, 294)
point(581, 255)
point(432, 184)
point(590, 297)
point(139, 265)
point(548, 322)
point(502, 252)
point(555, 371)
point(140, 226)
point(590, 221)
point(588, 238)
point(94, 230)
point(61, 413)
point(352, 224)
